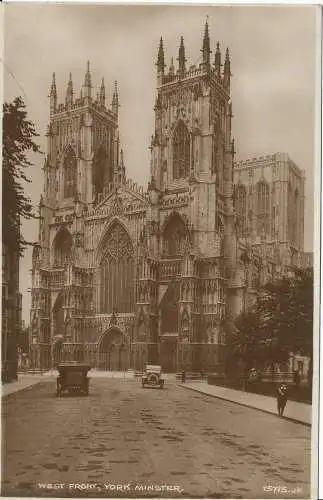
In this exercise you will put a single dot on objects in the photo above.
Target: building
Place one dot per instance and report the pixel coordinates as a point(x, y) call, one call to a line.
point(123, 276)
point(269, 219)
point(11, 311)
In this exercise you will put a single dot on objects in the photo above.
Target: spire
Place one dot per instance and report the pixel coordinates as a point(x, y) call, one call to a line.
point(87, 82)
point(69, 92)
point(53, 96)
point(217, 60)
point(115, 99)
point(102, 93)
point(227, 71)
point(161, 58)
point(181, 59)
point(53, 91)
point(171, 67)
point(206, 46)
point(121, 178)
point(121, 159)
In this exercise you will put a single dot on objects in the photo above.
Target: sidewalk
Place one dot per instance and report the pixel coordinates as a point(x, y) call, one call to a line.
point(23, 382)
point(296, 412)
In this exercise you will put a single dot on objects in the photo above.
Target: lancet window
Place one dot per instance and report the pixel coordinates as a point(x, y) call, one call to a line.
point(99, 171)
point(63, 244)
point(181, 151)
point(174, 236)
point(116, 283)
point(262, 209)
point(70, 173)
point(293, 214)
point(296, 222)
point(241, 209)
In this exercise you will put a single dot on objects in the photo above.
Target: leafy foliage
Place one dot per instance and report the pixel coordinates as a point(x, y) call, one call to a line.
point(18, 143)
point(280, 322)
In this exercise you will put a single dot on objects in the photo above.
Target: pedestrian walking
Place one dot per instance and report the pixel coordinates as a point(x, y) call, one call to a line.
point(282, 392)
point(183, 377)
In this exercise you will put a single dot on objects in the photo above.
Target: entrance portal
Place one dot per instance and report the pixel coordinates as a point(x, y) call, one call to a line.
point(113, 351)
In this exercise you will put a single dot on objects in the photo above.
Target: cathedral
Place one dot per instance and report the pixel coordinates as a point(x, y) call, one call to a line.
point(122, 276)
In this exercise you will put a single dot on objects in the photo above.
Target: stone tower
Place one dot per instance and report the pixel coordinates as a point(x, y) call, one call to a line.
point(81, 166)
point(82, 145)
point(191, 176)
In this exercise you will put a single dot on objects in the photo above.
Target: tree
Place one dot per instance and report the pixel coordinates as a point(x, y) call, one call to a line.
point(18, 142)
point(286, 309)
point(245, 339)
point(281, 321)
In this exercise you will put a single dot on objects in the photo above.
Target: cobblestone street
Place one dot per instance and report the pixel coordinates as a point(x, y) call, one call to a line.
point(122, 439)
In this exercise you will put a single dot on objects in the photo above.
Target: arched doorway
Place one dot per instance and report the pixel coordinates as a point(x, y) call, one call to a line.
point(169, 327)
point(113, 351)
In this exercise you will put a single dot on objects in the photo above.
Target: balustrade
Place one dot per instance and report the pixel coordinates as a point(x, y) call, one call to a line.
point(170, 269)
point(58, 279)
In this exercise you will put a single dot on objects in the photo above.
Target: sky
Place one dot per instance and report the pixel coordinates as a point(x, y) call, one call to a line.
point(273, 61)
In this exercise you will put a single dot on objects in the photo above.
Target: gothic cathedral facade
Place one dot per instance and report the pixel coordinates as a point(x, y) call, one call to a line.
point(123, 276)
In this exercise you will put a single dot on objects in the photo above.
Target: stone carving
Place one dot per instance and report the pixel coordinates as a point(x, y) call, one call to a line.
point(117, 207)
point(113, 319)
point(79, 239)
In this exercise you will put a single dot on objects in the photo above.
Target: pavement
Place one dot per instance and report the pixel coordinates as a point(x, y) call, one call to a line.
point(23, 382)
point(294, 411)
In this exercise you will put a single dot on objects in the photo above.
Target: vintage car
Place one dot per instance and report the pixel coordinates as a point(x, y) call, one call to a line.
point(73, 378)
point(152, 376)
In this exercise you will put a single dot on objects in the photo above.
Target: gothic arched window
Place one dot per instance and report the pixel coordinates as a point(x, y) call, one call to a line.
point(174, 236)
point(241, 209)
point(100, 171)
point(262, 208)
point(70, 173)
point(181, 151)
point(289, 212)
point(216, 150)
point(62, 248)
point(116, 281)
point(220, 233)
point(296, 217)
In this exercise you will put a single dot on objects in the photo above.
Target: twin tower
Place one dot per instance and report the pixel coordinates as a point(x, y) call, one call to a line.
point(128, 276)
point(192, 137)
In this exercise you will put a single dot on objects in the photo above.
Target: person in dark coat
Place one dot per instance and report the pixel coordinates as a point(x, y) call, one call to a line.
point(282, 394)
point(183, 376)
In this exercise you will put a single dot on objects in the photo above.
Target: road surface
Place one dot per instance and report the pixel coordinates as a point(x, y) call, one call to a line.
point(125, 441)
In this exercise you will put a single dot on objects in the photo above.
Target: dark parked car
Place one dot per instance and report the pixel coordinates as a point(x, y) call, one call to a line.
point(73, 378)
